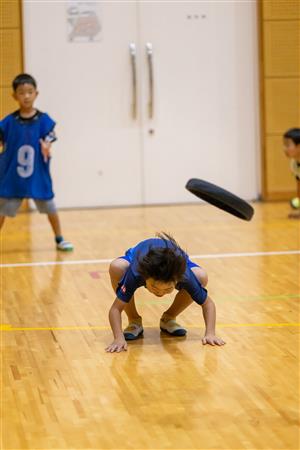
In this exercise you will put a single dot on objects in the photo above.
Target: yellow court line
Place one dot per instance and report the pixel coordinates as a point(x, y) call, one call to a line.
point(7, 327)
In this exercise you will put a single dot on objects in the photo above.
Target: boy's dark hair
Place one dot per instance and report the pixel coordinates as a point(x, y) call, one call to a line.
point(23, 78)
point(166, 263)
point(293, 134)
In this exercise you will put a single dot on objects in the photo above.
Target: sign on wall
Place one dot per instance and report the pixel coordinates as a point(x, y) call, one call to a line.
point(84, 21)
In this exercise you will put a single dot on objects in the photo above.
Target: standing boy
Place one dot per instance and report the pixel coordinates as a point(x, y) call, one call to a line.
point(26, 137)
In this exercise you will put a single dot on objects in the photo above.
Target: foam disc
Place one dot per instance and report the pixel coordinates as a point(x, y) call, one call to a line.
point(221, 198)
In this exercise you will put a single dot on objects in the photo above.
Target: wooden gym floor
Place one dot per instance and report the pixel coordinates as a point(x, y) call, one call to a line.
point(62, 391)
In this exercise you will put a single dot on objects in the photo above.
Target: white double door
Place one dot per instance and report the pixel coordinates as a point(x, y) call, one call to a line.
point(152, 101)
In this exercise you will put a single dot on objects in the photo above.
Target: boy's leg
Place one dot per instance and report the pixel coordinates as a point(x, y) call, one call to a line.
point(48, 207)
point(181, 301)
point(134, 329)
point(117, 269)
point(55, 223)
point(201, 274)
point(61, 244)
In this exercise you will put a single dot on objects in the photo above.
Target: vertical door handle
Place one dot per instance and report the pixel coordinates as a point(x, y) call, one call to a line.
point(149, 51)
point(132, 50)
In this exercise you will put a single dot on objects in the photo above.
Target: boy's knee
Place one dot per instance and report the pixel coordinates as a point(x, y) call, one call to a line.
point(112, 268)
point(117, 267)
point(204, 278)
point(201, 274)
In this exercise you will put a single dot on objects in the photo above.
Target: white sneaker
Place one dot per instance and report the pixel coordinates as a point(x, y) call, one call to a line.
point(134, 330)
point(170, 326)
point(65, 246)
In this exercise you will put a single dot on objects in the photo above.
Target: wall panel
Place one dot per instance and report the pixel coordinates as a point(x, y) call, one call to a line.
point(282, 111)
point(280, 91)
point(280, 9)
point(282, 48)
point(10, 14)
point(11, 57)
point(8, 103)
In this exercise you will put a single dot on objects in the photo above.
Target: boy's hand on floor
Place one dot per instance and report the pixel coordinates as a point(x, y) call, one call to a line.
point(212, 339)
point(118, 345)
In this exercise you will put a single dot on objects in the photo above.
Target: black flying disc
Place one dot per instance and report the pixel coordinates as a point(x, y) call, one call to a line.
point(220, 198)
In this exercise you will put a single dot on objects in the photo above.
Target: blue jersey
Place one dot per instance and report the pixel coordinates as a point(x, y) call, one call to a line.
point(132, 280)
point(23, 171)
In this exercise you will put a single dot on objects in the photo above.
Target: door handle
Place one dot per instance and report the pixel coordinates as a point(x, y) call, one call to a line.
point(149, 51)
point(132, 50)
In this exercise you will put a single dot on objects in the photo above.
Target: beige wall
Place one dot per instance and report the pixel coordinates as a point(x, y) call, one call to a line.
point(280, 91)
point(206, 100)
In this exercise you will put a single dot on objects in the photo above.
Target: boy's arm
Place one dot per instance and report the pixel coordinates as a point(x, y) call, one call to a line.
point(46, 144)
point(209, 315)
point(115, 321)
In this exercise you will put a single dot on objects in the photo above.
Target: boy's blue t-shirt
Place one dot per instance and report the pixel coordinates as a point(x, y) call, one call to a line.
point(132, 280)
point(23, 171)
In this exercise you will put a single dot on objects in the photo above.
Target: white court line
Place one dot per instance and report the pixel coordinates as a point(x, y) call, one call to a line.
point(105, 261)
